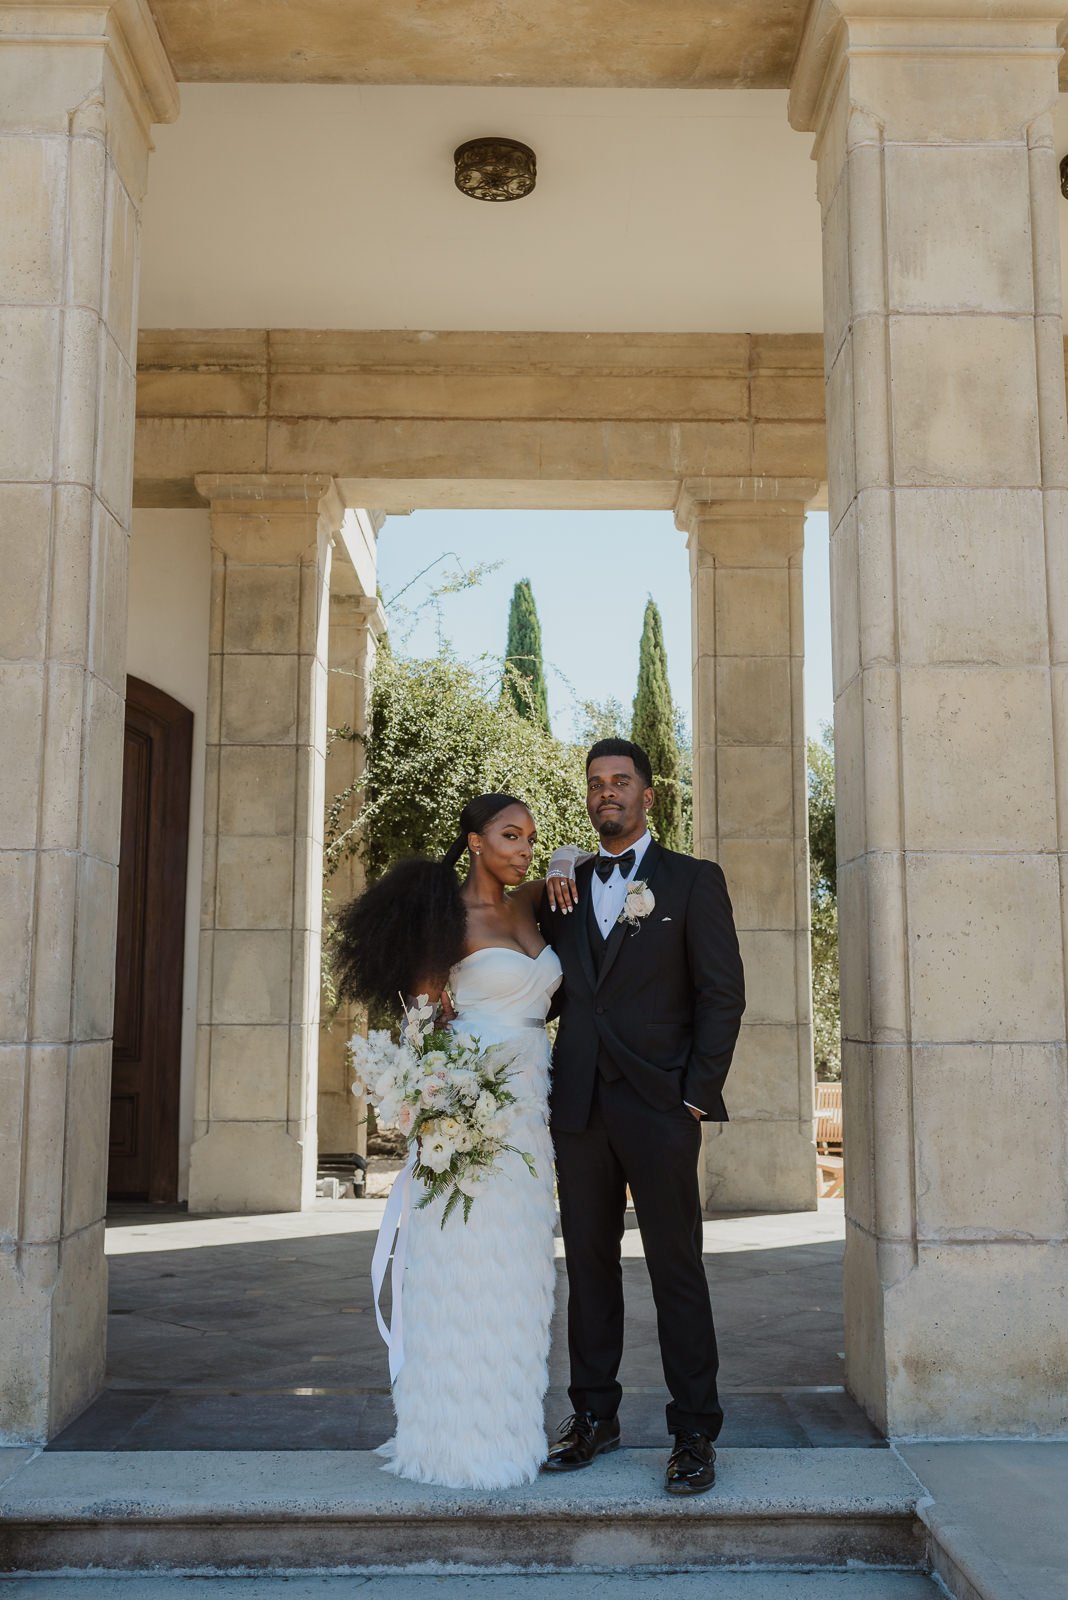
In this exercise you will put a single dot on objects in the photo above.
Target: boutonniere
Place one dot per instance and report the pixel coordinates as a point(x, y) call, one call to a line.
point(638, 904)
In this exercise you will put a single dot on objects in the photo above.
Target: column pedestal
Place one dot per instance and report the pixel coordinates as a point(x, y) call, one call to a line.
point(750, 814)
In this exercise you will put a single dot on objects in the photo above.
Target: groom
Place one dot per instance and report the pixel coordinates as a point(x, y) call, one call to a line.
point(650, 1008)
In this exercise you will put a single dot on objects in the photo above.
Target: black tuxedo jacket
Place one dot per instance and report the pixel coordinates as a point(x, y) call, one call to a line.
point(666, 1003)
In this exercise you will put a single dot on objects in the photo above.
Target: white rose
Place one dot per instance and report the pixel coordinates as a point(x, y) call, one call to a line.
point(640, 900)
point(485, 1108)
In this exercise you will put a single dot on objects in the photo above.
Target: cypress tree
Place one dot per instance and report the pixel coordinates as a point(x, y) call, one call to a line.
point(653, 727)
point(524, 671)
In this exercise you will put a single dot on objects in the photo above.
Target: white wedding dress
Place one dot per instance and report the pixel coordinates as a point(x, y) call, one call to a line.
point(478, 1296)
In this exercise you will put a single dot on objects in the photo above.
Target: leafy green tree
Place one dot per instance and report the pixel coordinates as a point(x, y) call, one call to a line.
point(653, 727)
point(524, 670)
point(602, 719)
point(439, 735)
point(826, 1006)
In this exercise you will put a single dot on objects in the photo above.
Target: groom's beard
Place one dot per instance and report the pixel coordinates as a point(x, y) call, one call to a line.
point(609, 827)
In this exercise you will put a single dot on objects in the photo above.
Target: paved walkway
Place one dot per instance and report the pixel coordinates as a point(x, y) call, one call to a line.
point(258, 1333)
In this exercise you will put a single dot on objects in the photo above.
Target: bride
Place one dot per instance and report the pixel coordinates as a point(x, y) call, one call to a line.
point(477, 1296)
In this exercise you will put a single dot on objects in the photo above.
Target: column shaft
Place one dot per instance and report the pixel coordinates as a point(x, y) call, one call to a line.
point(947, 481)
point(79, 87)
point(254, 1135)
point(750, 814)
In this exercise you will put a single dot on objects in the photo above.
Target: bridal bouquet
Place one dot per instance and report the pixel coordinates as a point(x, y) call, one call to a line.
point(448, 1096)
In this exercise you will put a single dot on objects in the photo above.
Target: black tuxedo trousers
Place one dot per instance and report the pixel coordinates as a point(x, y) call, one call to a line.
point(648, 1019)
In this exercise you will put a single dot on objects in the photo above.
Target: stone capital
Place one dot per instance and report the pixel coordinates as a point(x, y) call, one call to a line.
point(127, 31)
point(745, 522)
point(889, 48)
point(268, 517)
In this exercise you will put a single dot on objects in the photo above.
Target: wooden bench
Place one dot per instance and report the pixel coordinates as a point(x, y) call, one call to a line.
point(829, 1159)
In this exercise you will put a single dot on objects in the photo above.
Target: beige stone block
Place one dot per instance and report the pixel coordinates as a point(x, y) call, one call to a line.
point(249, 1074)
point(41, 1160)
point(172, 393)
point(33, 182)
point(764, 1083)
point(876, 577)
point(27, 1277)
point(262, 612)
point(837, 304)
point(785, 396)
point(977, 759)
point(79, 1323)
point(858, 1147)
point(845, 602)
point(252, 977)
point(850, 817)
point(246, 1167)
point(87, 166)
point(61, 760)
point(102, 806)
point(958, 228)
point(257, 789)
point(107, 640)
point(752, 616)
point(973, 98)
point(53, 961)
point(841, 441)
point(853, 952)
point(866, 201)
point(16, 923)
point(759, 1166)
point(259, 700)
point(14, 1064)
point(965, 401)
point(72, 553)
point(762, 875)
point(971, 576)
point(754, 792)
point(24, 561)
point(94, 949)
point(254, 883)
point(1059, 685)
point(871, 388)
point(205, 969)
point(29, 364)
point(115, 437)
point(753, 700)
point(985, 948)
point(1052, 402)
point(787, 450)
point(21, 694)
point(991, 1141)
point(1004, 1305)
point(862, 1297)
point(770, 976)
point(85, 1161)
point(79, 420)
point(120, 312)
point(311, 708)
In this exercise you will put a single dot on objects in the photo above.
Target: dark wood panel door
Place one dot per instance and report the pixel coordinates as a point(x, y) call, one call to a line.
point(150, 947)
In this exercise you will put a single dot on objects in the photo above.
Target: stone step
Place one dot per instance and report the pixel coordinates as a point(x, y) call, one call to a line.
point(823, 1585)
point(334, 1510)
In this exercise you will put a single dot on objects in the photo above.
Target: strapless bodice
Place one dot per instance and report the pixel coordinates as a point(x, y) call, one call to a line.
point(505, 986)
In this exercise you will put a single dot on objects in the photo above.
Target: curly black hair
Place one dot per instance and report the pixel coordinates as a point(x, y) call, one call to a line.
point(408, 929)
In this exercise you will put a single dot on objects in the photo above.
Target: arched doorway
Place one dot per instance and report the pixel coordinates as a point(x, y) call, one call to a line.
point(146, 1059)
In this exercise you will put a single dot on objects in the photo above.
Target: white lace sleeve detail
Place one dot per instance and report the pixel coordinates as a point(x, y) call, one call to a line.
point(565, 859)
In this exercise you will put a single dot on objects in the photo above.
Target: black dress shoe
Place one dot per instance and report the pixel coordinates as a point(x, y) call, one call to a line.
point(582, 1438)
point(691, 1466)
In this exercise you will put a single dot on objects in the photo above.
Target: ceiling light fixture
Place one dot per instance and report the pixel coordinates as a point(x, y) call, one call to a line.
point(495, 169)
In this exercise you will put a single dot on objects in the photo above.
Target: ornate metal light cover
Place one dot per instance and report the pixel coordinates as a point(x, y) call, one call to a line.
point(495, 169)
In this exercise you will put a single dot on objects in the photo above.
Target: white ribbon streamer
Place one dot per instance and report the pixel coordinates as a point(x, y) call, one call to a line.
point(394, 1226)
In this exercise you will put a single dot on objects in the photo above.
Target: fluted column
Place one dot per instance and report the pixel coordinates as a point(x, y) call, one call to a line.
point(750, 814)
point(79, 89)
point(948, 483)
point(254, 1130)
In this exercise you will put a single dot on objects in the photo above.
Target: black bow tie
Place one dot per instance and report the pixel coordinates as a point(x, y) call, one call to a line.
point(604, 866)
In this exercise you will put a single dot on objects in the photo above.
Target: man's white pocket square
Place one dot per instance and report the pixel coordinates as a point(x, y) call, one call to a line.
point(665, 919)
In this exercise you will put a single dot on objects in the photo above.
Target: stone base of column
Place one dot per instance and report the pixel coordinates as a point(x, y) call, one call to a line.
point(251, 1167)
point(758, 1166)
point(52, 1354)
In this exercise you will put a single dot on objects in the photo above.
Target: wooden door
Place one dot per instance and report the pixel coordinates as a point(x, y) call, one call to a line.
point(150, 947)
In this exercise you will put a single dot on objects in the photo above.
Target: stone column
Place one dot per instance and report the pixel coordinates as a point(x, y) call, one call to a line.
point(356, 624)
point(254, 1134)
point(750, 814)
point(79, 88)
point(948, 470)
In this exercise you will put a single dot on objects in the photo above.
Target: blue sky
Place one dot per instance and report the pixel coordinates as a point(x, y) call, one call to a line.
point(591, 572)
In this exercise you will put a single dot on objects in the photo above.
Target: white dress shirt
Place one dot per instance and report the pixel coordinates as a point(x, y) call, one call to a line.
point(608, 897)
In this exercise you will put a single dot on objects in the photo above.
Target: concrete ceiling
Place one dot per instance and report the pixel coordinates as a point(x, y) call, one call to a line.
point(305, 206)
point(695, 44)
